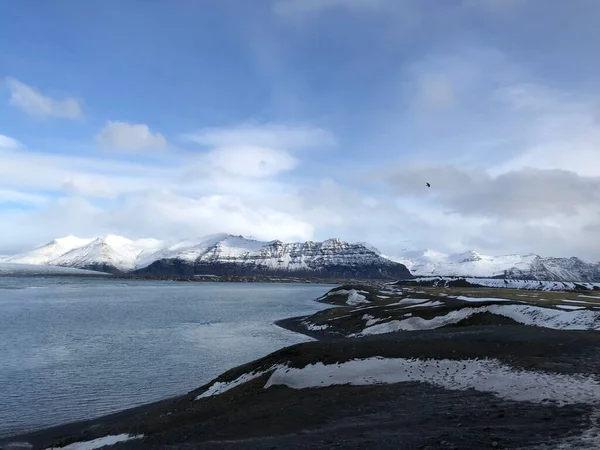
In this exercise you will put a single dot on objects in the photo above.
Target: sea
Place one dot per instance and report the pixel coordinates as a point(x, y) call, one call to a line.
point(75, 348)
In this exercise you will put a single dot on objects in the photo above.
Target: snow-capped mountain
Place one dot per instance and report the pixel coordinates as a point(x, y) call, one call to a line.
point(219, 254)
point(46, 253)
point(235, 255)
point(473, 264)
point(113, 254)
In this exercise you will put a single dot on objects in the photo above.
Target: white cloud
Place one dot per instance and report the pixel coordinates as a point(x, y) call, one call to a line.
point(259, 150)
point(232, 184)
point(252, 161)
point(160, 214)
point(130, 136)
point(8, 142)
point(193, 216)
point(25, 169)
point(190, 196)
point(33, 102)
point(89, 186)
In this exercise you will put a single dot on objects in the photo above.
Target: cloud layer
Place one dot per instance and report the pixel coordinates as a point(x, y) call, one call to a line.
point(314, 119)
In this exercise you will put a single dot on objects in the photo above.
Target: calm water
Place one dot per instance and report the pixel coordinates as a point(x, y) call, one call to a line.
point(72, 349)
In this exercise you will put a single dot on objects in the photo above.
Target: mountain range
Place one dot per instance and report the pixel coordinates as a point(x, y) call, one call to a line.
point(219, 254)
point(515, 267)
point(225, 254)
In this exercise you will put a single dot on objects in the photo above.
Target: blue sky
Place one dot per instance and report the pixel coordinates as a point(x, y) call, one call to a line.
point(304, 119)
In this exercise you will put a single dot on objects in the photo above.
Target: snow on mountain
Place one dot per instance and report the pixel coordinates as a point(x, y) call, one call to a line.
point(235, 255)
point(429, 262)
point(44, 254)
point(473, 264)
point(217, 254)
point(369, 247)
point(109, 254)
point(38, 269)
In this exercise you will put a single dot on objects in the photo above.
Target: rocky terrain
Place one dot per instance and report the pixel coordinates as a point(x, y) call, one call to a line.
point(391, 367)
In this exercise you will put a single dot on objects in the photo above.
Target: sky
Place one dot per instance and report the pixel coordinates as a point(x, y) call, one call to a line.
point(304, 120)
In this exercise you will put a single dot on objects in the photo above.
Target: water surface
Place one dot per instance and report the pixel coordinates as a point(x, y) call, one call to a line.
point(77, 348)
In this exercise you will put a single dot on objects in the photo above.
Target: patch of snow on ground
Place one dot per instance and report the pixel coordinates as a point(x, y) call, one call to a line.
point(570, 307)
point(409, 301)
point(486, 375)
point(18, 446)
point(588, 296)
point(221, 387)
point(354, 297)
point(426, 304)
point(98, 443)
point(580, 302)
point(525, 314)
point(481, 299)
point(513, 284)
point(370, 320)
point(314, 327)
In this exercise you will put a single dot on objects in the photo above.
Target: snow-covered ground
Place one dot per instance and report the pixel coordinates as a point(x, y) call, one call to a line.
point(103, 442)
point(485, 375)
point(353, 297)
point(526, 314)
point(511, 284)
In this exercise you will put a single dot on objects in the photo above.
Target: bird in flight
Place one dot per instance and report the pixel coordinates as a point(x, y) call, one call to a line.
point(427, 184)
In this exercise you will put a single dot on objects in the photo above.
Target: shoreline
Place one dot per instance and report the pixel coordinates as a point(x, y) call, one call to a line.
point(37, 435)
point(383, 415)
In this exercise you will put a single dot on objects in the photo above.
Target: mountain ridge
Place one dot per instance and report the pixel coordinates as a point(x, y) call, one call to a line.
point(512, 266)
point(227, 254)
point(217, 254)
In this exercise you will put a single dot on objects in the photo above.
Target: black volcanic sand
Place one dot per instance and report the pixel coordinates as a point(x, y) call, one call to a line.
point(397, 416)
